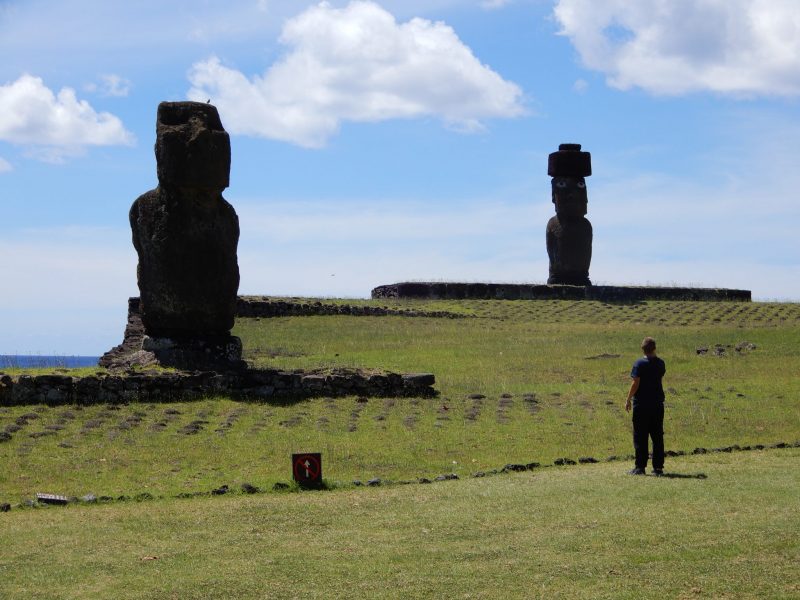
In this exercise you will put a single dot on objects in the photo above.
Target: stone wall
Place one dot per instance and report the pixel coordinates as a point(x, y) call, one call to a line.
point(264, 307)
point(256, 384)
point(513, 291)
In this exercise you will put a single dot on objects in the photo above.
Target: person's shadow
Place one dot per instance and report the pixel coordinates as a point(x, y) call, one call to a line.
point(683, 476)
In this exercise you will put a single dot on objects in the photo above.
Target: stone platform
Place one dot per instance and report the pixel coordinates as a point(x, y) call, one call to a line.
point(529, 291)
point(179, 386)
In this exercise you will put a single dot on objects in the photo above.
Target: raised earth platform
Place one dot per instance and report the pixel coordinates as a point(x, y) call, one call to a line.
point(527, 291)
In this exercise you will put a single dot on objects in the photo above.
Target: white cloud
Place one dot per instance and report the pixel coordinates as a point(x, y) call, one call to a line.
point(744, 47)
point(110, 85)
point(493, 4)
point(359, 64)
point(55, 126)
point(5, 166)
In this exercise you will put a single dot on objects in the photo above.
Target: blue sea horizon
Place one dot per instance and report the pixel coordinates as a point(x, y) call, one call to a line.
point(38, 361)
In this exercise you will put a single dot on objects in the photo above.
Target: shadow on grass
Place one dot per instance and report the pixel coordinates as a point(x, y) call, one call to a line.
point(683, 476)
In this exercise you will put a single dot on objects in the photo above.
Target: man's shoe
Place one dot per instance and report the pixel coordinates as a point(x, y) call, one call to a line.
point(636, 471)
point(658, 472)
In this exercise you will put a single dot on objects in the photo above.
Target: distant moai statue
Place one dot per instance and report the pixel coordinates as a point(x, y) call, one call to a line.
point(569, 233)
point(186, 236)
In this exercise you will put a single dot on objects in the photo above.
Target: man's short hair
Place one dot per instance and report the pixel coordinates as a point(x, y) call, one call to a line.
point(648, 345)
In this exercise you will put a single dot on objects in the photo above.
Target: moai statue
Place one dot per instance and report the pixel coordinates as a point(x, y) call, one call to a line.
point(569, 233)
point(186, 236)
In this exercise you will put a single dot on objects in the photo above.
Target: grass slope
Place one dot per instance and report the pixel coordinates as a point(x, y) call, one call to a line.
point(580, 532)
point(554, 374)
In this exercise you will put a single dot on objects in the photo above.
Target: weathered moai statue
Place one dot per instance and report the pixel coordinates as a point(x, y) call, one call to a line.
point(569, 233)
point(186, 236)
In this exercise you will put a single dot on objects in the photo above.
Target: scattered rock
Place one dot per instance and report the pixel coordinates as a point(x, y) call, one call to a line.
point(603, 355)
point(223, 489)
point(587, 460)
point(250, 489)
point(476, 396)
point(374, 482)
point(446, 477)
point(4, 436)
point(5, 507)
point(515, 468)
point(143, 496)
point(563, 461)
point(479, 474)
point(280, 487)
point(424, 480)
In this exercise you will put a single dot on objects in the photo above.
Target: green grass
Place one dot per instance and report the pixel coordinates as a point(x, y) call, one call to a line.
point(579, 532)
point(554, 375)
point(563, 402)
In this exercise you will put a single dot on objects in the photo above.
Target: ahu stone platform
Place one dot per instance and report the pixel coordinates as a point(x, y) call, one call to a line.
point(529, 291)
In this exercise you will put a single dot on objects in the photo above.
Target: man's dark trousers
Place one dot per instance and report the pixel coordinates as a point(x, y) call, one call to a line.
point(648, 421)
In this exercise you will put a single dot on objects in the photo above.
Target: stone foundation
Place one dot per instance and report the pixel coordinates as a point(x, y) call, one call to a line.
point(514, 291)
point(254, 384)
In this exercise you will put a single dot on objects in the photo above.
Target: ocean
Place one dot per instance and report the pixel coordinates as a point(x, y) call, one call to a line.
point(27, 361)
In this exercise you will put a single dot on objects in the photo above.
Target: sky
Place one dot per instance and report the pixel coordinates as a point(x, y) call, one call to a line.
point(378, 141)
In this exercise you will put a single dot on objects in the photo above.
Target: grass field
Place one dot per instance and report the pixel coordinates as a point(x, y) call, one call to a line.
point(519, 382)
point(580, 532)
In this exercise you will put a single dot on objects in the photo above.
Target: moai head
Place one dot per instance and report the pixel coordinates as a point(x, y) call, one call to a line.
point(192, 148)
point(568, 167)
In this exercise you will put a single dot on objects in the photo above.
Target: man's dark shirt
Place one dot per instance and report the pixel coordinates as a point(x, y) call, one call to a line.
point(649, 371)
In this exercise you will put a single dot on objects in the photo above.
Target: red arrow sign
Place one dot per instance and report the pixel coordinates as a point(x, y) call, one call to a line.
point(307, 468)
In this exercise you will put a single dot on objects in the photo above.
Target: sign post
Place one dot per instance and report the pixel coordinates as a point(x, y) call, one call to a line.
point(307, 469)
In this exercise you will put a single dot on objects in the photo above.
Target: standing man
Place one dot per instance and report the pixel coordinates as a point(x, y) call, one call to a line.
point(647, 396)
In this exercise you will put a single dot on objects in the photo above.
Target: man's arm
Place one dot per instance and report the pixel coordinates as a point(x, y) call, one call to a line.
point(632, 392)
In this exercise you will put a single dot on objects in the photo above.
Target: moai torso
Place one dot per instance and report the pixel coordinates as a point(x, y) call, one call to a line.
point(569, 233)
point(184, 231)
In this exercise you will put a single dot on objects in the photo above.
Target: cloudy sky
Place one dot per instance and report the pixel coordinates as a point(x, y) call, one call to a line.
point(388, 140)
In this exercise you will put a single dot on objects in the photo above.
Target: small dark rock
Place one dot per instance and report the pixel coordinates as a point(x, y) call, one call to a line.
point(223, 489)
point(702, 350)
point(563, 461)
point(249, 489)
point(516, 468)
point(699, 451)
point(476, 396)
point(533, 465)
point(357, 482)
point(143, 496)
point(5, 507)
point(479, 474)
point(280, 487)
point(424, 480)
point(446, 477)
point(587, 460)
point(4, 436)
point(374, 482)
